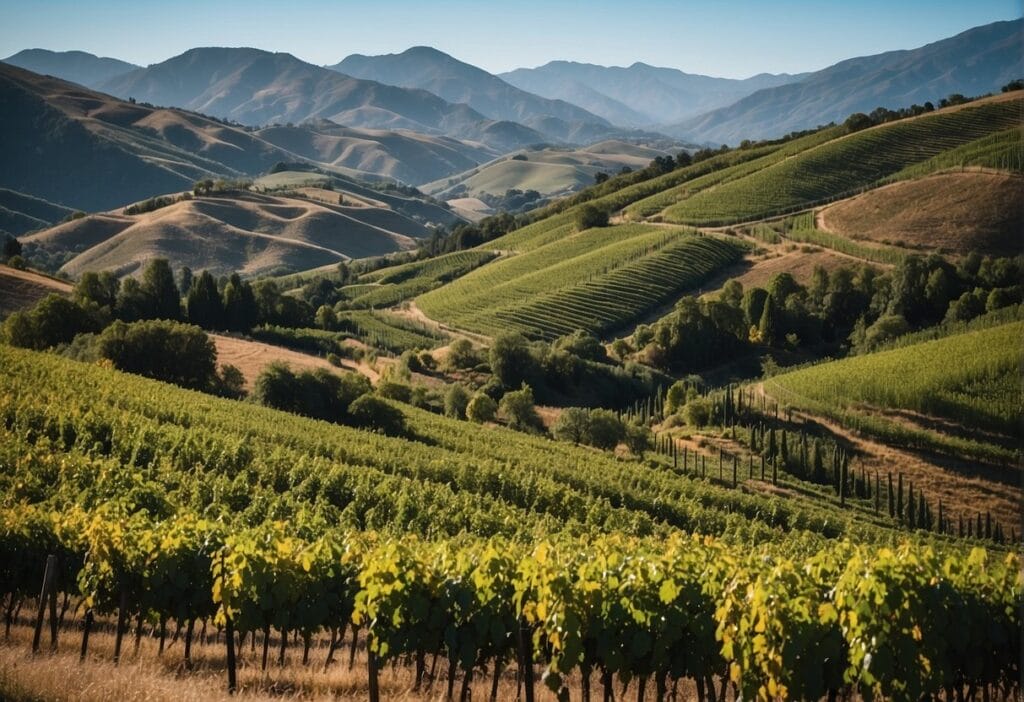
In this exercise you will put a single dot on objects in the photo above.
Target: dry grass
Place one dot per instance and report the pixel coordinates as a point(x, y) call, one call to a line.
point(21, 289)
point(251, 357)
point(957, 212)
point(148, 677)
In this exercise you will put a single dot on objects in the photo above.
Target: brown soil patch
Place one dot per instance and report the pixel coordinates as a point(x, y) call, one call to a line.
point(21, 289)
point(958, 212)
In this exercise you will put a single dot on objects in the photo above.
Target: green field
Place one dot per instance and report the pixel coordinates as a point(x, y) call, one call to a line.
point(594, 280)
point(843, 166)
point(971, 380)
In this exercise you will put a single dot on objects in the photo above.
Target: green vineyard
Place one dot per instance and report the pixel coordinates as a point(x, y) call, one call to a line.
point(533, 552)
point(970, 379)
point(843, 166)
point(594, 280)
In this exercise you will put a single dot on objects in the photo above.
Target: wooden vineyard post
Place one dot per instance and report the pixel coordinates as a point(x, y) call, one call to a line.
point(526, 660)
point(119, 634)
point(229, 629)
point(371, 668)
point(86, 626)
point(45, 596)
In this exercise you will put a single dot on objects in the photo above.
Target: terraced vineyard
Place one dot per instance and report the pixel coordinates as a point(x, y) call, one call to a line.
point(843, 166)
point(595, 280)
point(1002, 151)
point(389, 286)
point(765, 157)
point(971, 380)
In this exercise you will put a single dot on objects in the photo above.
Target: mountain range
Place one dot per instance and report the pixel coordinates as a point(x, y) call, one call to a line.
point(639, 95)
point(975, 62)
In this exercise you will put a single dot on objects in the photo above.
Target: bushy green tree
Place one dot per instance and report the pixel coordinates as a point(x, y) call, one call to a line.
point(158, 285)
point(511, 360)
point(573, 425)
point(606, 430)
point(162, 349)
point(371, 412)
point(481, 408)
point(203, 304)
point(54, 320)
point(519, 410)
point(456, 399)
point(591, 216)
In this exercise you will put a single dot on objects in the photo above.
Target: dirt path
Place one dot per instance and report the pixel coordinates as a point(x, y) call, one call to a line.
point(409, 310)
point(964, 487)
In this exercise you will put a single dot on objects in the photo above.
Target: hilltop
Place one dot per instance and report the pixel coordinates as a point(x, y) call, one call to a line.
point(73, 66)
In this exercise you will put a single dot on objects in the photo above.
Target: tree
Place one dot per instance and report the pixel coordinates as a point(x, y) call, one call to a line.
point(638, 439)
point(675, 398)
point(229, 382)
point(55, 320)
point(326, 317)
point(99, 289)
point(481, 409)
point(240, 309)
point(461, 355)
point(600, 177)
point(768, 327)
point(11, 247)
point(456, 399)
point(697, 412)
point(511, 360)
point(203, 304)
point(582, 344)
point(591, 216)
point(165, 350)
point(606, 430)
point(683, 159)
point(370, 412)
point(732, 293)
point(573, 425)
point(857, 121)
point(753, 305)
point(184, 280)
point(519, 410)
point(158, 285)
point(133, 303)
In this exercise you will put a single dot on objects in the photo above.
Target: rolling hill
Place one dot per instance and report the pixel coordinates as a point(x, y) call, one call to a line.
point(85, 150)
point(257, 87)
point(458, 82)
point(550, 171)
point(408, 157)
point(252, 233)
point(975, 62)
point(638, 95)
point(73, 66)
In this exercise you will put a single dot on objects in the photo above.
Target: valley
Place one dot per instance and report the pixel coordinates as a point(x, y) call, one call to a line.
point(396, 378)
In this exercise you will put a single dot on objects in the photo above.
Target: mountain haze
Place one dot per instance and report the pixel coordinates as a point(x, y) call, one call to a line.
point(74, 66)
point(638, 95)
point(459, 82)
point(975, 62)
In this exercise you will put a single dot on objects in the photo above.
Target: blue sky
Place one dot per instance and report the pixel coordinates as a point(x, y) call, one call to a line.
point(735, 39)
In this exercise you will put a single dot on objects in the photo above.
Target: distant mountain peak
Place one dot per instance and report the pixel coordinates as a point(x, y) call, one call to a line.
point(76, 66)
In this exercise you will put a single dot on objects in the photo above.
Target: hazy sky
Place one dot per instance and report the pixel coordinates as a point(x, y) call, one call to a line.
point(734, 39)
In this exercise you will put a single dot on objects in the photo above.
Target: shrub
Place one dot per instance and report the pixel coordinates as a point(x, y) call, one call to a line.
point(455, 402)
point(697, 412)
point(606, 430)
point(573, 425)
point(590, 216)
point(371, 412)
point(481, 408)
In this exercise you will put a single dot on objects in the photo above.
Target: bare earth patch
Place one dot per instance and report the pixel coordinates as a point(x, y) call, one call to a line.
point(957, 212)
point(21, 289)
point(251, 357)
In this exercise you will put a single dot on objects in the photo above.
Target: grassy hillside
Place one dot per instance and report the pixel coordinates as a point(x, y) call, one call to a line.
point(595, 280)
point(954, 212)
point(248, 232)
point(549, 171)
point(845, 165)
point(942, 395)
point(22, 289)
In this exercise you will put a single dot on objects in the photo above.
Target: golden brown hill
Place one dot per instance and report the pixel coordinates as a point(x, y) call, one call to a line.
point(956, 212)
point(252, 233)
point(21, 289)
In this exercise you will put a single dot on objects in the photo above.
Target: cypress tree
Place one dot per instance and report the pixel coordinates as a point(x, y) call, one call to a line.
point(911, 507)
point(772, 447)
point(892, 503)
point(784, 449)
point(899, 498)
point(819, 463)
point(775, 472)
